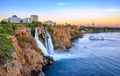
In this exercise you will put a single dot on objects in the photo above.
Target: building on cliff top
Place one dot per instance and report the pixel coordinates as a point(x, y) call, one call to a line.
point(34, 18)
point(49, 22)
point(15, 19)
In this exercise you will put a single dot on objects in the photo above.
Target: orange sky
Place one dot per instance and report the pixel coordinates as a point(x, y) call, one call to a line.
point(108, 21)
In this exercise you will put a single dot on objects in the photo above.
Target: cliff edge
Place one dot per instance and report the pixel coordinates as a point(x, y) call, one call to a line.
point(26, 58)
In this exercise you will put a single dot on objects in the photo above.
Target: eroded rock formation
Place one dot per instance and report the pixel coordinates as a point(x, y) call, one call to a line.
point(27, 60)
point(62, 36)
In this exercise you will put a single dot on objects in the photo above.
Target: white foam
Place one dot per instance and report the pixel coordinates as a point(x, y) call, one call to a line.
point(39, 43)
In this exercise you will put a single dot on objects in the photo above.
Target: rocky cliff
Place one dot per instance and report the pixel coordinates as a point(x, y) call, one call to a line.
point(62, 36)
point(26, 59)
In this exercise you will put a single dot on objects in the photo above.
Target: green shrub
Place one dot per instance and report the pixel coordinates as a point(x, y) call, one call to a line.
point(6, 48)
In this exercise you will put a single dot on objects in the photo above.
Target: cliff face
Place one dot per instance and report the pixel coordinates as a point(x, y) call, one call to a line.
point(62, 36)
point(27, 60)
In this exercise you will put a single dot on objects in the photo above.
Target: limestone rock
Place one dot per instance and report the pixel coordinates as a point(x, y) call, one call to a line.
point(25, 61)
point(62, 36)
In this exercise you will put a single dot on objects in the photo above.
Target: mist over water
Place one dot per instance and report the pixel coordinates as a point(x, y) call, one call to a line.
point(89, 57)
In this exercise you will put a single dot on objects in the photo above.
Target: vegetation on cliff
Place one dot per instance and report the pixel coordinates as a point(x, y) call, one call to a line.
point(6, 48)
point(9, 29)
point(19, 53)
point(6, 29)
point(91, 29)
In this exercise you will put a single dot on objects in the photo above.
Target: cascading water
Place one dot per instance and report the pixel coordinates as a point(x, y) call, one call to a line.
point(48, 48)
point(30, 31)
point(39, 43)
point(48, 43)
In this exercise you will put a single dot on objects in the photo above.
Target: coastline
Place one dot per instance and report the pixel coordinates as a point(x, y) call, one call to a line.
point(27, 59)
point(72, 32)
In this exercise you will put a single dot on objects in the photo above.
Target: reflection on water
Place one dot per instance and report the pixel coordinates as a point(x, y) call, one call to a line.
point(89, 58)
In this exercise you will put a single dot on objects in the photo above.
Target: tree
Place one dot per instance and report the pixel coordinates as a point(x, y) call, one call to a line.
point(3, 22)
point(37, 23)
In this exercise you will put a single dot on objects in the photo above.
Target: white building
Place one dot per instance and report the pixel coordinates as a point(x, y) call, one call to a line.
point(26, 20)
point(34, 18)
point(14, 19)
point(49, 22)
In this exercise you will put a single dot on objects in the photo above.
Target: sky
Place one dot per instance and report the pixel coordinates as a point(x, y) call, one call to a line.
point(78, 12)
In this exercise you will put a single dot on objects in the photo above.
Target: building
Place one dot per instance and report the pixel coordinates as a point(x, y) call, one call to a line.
point(26, 20)
point(34, 18)
point(49, 22)
point(14, 19)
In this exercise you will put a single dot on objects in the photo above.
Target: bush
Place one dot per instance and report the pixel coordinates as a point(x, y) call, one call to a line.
point(6, 48)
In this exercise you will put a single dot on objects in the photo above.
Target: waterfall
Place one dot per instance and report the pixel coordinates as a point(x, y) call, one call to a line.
point(30, 31)
point(39, 43)
point(48, 49)
point(48, 43)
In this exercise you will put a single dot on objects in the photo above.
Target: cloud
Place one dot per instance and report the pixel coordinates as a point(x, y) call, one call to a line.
point(109, 10)
point(112, 10)
point(89, 13)
point(81, 10)
point(62, 3)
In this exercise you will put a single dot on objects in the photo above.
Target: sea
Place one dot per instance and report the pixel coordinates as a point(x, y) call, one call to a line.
point(88, 57)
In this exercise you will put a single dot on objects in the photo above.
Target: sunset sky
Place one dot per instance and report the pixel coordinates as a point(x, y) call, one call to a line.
point(100, 12)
